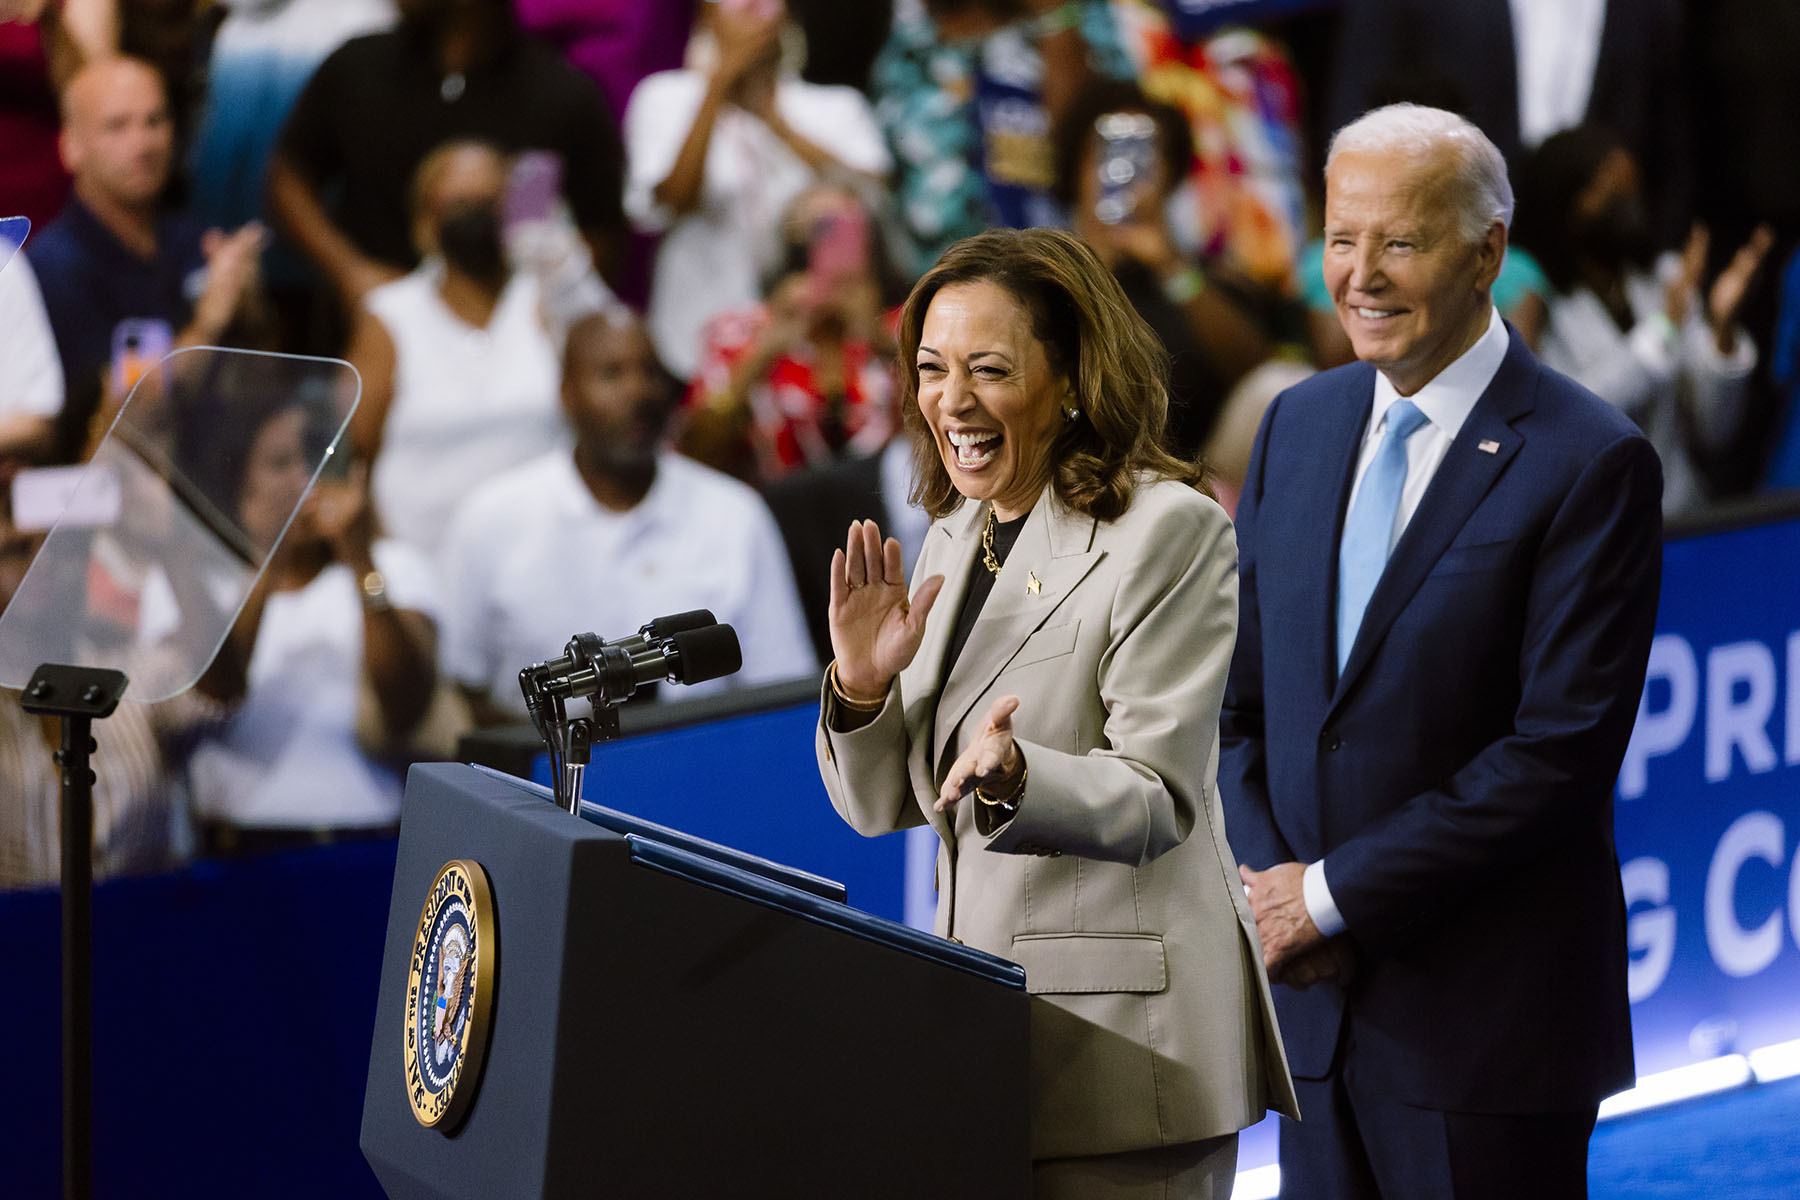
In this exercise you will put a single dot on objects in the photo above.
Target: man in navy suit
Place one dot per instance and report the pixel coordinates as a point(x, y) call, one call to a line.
point(1449, 563)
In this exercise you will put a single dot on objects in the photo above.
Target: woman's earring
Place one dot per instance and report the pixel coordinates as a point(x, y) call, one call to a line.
point(1071, 412)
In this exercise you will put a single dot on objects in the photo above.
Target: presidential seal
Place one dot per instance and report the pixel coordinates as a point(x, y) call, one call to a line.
point(449, 995)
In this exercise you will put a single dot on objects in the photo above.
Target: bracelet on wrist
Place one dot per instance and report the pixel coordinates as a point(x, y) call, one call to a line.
point(845, 699)
point(1012, 798)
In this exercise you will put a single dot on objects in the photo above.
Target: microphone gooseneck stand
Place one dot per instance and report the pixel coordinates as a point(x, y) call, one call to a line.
point(683, 648)
point(78, 696)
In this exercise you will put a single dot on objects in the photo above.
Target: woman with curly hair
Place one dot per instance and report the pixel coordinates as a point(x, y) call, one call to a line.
point(1048, 701)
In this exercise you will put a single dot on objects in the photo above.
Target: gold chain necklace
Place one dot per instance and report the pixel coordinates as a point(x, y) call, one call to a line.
point(987, 546)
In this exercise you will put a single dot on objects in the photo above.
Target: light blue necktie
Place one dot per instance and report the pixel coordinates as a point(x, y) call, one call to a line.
point(1363, 553)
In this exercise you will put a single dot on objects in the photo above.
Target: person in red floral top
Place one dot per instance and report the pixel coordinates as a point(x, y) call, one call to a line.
point(806, 376)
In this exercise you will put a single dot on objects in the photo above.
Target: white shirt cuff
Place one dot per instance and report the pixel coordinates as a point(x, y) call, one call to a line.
point(1319, 905)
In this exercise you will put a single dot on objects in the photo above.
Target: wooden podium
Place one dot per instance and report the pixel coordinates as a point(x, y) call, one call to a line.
point(668, 1017)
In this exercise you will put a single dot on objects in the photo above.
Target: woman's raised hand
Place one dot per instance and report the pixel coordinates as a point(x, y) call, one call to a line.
point(875, 629)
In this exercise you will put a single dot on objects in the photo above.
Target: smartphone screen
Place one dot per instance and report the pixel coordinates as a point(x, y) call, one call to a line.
point(839, 248)
point(138, 344)
point(532, 187)
point(1126, 162)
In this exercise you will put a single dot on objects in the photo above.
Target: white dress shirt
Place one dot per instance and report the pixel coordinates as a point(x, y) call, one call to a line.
point(531, 559)
point(1558, 45)
point(31, 378)
point(1447, 400)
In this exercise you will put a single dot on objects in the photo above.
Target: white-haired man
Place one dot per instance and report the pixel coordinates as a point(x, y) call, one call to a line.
point(1456, 553)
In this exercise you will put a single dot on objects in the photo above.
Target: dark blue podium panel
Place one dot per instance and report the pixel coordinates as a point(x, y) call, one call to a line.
point(748, 781)
point(675, 1019)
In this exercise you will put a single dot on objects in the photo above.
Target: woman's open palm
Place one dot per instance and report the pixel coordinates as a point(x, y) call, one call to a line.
point(875, 629)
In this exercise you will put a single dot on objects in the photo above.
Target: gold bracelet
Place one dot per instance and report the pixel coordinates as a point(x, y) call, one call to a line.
point(1013, 799)
point(837, 690)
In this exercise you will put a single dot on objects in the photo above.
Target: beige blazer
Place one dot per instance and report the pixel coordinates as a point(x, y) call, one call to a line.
point(1113, 886)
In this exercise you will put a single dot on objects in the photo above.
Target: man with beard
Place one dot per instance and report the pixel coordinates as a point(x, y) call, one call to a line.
point(124, 282)
point(458, 367)
point(380, 103)
point(1642, 332)
point(610, 535)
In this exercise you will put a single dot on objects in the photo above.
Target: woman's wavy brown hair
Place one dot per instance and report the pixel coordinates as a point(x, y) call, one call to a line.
point(1092, 337)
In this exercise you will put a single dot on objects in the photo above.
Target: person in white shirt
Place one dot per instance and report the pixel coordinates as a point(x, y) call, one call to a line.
point(718, 149)
point(31, 378)
point(458, 364)
point(606, 537)
point(1638, 329)
point(341, 619)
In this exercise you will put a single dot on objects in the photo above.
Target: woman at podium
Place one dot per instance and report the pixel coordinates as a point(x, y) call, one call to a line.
point(1048, 701)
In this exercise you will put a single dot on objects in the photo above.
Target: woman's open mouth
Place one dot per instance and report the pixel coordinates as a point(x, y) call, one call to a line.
point(974, 449)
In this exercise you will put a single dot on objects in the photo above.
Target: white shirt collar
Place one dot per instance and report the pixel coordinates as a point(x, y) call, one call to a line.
point(1450, 396)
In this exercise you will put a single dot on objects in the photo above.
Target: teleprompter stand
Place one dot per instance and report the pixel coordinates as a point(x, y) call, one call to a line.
point(79, 696)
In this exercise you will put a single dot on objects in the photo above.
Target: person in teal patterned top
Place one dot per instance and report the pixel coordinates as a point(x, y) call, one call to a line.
point(962, 95)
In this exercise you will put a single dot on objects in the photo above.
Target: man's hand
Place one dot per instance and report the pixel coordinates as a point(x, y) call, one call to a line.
point(231, 276)
point(1331, 961)
point(1278, 903)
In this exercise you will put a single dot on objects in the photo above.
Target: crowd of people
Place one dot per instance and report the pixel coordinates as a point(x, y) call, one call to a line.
point(1044, 302)
point(562, 240)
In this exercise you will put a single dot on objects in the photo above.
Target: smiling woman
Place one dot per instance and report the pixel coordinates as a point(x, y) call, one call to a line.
point(1082, 568)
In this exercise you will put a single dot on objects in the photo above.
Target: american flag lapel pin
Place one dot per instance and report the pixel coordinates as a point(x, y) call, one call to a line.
point(1031, 583)
point(1488, 446)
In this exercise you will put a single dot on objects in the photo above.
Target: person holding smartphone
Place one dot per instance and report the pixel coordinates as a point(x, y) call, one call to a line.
point(805, 377)
point(718, 149)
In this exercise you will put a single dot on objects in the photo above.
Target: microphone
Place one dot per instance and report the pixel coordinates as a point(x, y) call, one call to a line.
point(610, 672)
point(583, 648)
point(662, 628)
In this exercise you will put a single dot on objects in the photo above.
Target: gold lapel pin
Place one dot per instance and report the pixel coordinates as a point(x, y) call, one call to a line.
point(1488, 446)
point(1031, 583)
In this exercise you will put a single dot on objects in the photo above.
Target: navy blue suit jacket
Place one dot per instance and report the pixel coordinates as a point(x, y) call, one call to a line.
point(1457, 780)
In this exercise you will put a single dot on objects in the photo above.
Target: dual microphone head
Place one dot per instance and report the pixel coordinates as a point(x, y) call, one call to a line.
point(688, 647)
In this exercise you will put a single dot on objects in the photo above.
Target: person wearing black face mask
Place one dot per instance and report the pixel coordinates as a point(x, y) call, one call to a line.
point(1639, 329)
point(469, 239)
point(459, 370)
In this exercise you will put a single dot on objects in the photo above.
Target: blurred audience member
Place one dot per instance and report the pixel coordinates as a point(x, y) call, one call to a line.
point(717, 151)
point(610, 535)
point(124, 282)
point(132, 793)
point(807, 375)
point(1641, 332)
point(379, 104)
point(31, 379)
point(458, 368)
point(616, 43)
point(340, 618)
point(1748, 103)
point(1244, 200)
point(1119, 159)
point(1783, 470)
point(261, 57)
point(967, 92)
point(1530, 68)
point(175, 37)
point(42, 45)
